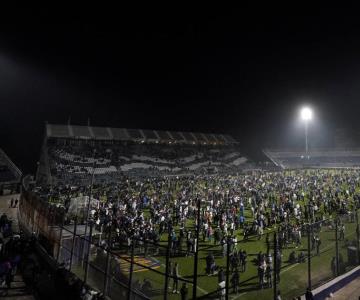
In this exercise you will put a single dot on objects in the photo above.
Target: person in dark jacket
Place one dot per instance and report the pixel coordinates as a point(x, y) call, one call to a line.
point(184, 291)
point(235, 281)
point(175, 275)
point(221, 275)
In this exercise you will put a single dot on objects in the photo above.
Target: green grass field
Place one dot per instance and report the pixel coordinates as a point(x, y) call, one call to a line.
point(294, 277)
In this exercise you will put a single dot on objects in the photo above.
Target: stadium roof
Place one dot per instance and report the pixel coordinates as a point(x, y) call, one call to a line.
point(9, 172)
point(139, 135)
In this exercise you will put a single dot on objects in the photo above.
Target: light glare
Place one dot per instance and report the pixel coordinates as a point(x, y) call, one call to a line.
point(306, 114)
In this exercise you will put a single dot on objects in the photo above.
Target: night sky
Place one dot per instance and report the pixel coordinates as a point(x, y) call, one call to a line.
point(238, 74)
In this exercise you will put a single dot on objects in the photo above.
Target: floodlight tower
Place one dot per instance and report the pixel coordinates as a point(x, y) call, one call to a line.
point(306, 116)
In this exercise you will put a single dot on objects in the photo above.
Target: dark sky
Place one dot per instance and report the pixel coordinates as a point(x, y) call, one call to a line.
point(232, 73)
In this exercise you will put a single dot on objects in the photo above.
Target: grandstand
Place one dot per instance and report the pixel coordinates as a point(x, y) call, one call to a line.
point(324, 158)
point(123, 134)
point(10, 175)
point(112, 181)
point(73, 153)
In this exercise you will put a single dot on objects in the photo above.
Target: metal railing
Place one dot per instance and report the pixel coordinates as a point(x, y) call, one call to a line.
point(288, 254)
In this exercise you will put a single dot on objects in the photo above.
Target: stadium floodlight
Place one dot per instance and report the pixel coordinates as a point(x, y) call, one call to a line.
point(306, 115)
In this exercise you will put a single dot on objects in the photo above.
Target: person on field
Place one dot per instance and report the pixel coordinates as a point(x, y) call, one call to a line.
point(175, 275)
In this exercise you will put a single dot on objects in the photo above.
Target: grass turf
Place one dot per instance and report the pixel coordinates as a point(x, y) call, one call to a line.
point(294, 277)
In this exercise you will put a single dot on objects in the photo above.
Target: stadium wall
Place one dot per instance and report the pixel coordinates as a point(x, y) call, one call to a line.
point(60, 247)
point(40, 218)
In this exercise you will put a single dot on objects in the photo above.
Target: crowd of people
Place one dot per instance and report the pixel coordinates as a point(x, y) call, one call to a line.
point(73, 161)
point(10, 253)
point(20, 262)
point(232, 208)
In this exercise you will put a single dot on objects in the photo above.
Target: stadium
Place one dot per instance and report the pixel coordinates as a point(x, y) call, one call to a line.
point(180, 156)
point(170, 211)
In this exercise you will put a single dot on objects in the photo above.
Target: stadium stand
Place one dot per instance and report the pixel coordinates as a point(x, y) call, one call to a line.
point(319, 158)
point(120, 134)
point(101, 133)
point(164, 136)
point(150, 134)
point(177, 136)
point(81, 131)
point(189, 137)
point(135, 134)
point(75, 152)
point(211, 138)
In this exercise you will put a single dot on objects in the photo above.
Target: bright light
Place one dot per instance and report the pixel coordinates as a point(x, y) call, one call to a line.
point(306, 114)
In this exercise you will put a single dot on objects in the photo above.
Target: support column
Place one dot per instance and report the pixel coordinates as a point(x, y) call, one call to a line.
point(309, 231)
point(73, 243)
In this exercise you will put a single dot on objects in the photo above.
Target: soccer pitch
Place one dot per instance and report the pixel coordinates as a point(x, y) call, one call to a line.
point(293, 276)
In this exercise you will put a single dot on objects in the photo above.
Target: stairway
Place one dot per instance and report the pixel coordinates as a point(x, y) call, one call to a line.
point(17, 291)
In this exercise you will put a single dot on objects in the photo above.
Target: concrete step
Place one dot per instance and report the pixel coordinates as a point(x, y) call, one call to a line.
point(17, 291)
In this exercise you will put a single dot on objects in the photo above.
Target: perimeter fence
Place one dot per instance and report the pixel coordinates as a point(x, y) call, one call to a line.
point(286, 258)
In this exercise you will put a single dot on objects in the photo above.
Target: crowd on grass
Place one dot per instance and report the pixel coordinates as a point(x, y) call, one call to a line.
point(232, 208)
